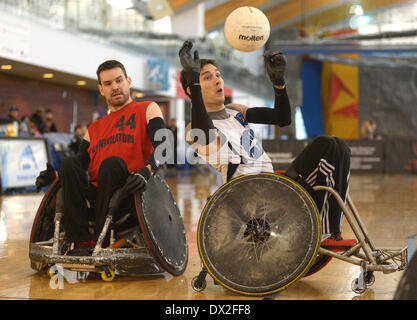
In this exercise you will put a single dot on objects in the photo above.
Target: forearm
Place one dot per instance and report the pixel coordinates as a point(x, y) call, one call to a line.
point(280, 115)
point(199, 116)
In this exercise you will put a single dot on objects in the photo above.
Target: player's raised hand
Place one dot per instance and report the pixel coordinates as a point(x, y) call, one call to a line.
point(190, 64)
point(275, 63)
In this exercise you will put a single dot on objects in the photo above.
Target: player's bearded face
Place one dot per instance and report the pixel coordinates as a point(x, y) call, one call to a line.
point(115, 86)
point(212, 85)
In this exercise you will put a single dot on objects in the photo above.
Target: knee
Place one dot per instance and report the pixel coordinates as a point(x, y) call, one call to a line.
point(343, 148)
point(326, 141)
point(333, 143)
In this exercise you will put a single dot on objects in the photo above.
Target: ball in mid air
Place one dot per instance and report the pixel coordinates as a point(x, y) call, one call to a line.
point(246, 29)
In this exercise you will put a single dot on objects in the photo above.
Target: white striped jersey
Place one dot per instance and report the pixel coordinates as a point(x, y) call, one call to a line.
point(237, 144)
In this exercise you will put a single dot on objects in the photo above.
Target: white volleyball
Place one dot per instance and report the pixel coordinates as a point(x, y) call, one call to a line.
point(247, 29)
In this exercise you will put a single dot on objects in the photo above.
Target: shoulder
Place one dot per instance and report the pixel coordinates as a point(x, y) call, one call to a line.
point(97, 122)
point(238, 108)
point(153, 111)
point(143, 105)
point(139, 104)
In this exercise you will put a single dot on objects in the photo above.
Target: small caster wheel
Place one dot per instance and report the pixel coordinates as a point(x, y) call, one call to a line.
point(198, 285)
point(355, 287)
point(369, 278)
point(52, 271)
point(107, 275)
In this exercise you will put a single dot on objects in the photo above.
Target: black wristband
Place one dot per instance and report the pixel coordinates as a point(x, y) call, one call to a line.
point(191, 77)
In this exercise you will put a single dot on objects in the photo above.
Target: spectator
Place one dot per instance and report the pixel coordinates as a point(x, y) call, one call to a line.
point(38, 120)
point(24, 131)
point(80, 131)
point(49, 125)
point(33, 129)
point(368, 129)
point(13, 116)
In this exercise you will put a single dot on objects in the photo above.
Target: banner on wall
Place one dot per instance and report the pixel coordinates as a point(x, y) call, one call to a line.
point(283, 152)
point(312, 109)
point(366, 156)
point(157, 75)
point(401, 156)
point(22, 159)
point(340, 92)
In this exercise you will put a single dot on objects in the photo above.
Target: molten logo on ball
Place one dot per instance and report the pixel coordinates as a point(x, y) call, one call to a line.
point(246, 29)
point(251, 38)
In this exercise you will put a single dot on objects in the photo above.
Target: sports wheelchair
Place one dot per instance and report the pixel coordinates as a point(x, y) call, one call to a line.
point(261, 246)
point(156, 244)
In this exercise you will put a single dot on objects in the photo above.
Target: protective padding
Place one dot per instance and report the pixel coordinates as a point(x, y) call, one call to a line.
point(258, 234)
point(162, 226)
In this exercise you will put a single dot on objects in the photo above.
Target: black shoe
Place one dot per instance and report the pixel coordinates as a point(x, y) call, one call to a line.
point(84, 248)
point(82, 252)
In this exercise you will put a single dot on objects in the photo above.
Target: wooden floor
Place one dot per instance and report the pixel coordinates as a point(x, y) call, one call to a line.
point(387, 204)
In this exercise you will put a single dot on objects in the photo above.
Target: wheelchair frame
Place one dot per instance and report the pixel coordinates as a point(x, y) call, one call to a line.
point(141, 259)
point(372, 258)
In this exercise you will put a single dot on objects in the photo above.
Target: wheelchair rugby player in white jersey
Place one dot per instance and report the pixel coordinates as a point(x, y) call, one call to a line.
point(262, 231)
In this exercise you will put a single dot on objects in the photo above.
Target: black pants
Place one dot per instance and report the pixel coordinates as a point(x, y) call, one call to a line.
point(326, 162)
point(112, 175)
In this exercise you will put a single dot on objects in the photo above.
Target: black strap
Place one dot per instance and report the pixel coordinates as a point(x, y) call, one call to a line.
point(232, 167)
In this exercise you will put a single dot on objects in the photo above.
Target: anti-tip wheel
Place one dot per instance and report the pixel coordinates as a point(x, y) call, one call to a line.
point(52, 272)
point(355, 287)
point(369, 278)
point(198, 285)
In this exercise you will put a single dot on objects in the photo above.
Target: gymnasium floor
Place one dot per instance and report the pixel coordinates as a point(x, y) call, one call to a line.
point(387, 204)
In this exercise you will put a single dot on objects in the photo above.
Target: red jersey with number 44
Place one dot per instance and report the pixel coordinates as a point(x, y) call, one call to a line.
point(120, 134)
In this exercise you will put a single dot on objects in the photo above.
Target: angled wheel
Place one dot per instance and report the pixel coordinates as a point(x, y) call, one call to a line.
point(162, 226)
point(52, 271)
point(43, 225)
point(258, 234)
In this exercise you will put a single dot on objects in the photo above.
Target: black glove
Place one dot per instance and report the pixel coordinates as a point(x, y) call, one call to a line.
point(46, 177)
point(190, 65)
point(137, 180)
point(275, 63)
